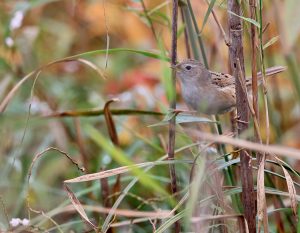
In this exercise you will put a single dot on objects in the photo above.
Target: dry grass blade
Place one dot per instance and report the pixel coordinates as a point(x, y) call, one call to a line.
point(110, 123)
point(93, 66)
point(160, 214)
point(78, 207)
point(213, 217)
point(99, 175)
point(261, 197)
point(271, 41)
point(37, 156)
point(272, 149)
point(292, 191)
point(130, 222)
point(51, 219)
point(113, 172)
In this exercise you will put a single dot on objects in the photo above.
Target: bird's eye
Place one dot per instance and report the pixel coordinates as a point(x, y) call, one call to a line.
point(188, 67)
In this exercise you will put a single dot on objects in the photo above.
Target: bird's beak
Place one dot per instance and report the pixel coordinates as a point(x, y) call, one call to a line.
point(174, 67)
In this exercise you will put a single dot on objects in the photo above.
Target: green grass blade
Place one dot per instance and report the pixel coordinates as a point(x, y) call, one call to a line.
point(118, 50)
point(120, 157)
point(257, 24)
point(209, 10)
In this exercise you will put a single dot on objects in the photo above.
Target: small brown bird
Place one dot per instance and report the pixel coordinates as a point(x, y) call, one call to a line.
point(210, 92)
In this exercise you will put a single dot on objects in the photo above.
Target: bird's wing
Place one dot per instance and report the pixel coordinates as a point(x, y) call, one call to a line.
point(224, 80)
point(221, 79)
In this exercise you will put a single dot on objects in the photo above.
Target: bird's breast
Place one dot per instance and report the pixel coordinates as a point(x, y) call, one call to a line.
point(209, 99)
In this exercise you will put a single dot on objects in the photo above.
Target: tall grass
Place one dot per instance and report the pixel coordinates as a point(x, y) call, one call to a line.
point(92, 142)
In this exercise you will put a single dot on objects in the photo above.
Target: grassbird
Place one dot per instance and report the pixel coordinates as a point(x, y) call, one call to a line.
point(211, 92)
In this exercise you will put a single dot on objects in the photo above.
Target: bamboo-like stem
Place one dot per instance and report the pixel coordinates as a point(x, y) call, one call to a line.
point(198, 34)
point(236, 51)
point(190, 30)
point(186, 36)
point(172, 125)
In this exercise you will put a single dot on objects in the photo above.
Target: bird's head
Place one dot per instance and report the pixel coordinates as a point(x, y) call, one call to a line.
point(189, 70)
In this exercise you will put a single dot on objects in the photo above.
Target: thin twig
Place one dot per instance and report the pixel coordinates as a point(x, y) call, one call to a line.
point(107, 33)
point(225, 37)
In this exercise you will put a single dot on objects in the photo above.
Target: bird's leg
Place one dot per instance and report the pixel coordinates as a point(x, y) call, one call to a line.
point(237, 119)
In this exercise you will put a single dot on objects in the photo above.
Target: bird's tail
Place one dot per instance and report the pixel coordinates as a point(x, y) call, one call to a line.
point(272, 71)
point(269, 72)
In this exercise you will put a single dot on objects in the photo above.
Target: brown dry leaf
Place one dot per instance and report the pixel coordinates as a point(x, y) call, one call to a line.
point(292, 190)
point(117, 188)
point(78, 207)
point(261, 197)
point(110, 123)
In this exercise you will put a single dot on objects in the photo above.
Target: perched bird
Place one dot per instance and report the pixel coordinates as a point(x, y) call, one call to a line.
point(210, 92)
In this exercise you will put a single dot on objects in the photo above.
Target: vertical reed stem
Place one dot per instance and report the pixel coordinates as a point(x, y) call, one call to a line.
point(171, 143)
point(236, 53)
point(252, 4)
